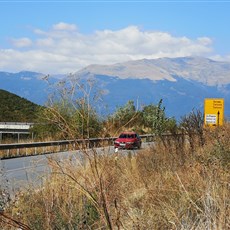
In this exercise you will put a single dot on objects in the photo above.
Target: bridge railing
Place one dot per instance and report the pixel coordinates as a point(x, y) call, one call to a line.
point(35, 148)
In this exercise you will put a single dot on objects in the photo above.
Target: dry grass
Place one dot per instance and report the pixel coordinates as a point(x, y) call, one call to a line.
point(166, 187)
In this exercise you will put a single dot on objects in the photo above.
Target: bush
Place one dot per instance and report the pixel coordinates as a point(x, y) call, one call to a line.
point(158, 188)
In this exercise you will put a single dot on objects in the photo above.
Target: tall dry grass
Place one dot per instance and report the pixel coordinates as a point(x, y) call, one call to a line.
point(168, 186)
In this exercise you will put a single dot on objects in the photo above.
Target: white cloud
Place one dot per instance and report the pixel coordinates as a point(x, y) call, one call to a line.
point(64, 26)
point(62, 49)
point(45, 42)
point(204, 41)
point(21, 42)
point(221, 58)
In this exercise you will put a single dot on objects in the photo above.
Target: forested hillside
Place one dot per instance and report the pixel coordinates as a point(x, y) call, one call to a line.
point(16, 109)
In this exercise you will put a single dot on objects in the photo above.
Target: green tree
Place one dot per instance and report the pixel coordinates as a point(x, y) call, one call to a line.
point(154, 118)
point(125, 116)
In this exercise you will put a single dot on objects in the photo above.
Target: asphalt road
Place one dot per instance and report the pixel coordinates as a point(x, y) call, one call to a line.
point(20, 173)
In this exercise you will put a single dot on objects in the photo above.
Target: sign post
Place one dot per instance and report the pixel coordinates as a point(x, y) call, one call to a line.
point(213, 111)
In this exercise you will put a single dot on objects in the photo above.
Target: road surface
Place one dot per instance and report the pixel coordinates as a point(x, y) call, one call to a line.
point(21, 173)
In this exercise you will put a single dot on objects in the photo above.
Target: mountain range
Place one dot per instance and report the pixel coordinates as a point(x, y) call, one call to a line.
point(183, 83)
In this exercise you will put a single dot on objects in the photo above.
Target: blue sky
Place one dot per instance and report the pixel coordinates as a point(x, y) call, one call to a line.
point(64, 36)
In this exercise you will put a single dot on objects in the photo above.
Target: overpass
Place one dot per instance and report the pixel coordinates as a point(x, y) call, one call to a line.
point(14, 128)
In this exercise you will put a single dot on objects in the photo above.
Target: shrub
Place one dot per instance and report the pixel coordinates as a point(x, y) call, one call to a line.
point(157, 188)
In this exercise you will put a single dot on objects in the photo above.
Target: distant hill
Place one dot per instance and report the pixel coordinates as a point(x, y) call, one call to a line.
point(203, 70)
point(27, 84)
point(183, 83)
point(16, 109)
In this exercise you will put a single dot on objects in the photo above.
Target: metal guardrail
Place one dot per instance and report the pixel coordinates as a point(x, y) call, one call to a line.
point(62, 145)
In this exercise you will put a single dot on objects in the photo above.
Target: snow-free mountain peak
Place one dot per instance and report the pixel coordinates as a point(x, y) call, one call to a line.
point(199, 69)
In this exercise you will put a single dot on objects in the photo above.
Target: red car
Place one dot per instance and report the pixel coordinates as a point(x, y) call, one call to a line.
point(128, 140)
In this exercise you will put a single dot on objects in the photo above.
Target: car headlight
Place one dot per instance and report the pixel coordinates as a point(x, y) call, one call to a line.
point(116, 142)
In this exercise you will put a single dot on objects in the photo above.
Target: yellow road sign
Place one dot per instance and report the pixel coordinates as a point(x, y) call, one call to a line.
point(213, 111)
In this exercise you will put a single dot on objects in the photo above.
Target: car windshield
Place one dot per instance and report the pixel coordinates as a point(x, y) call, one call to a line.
point(125, 135)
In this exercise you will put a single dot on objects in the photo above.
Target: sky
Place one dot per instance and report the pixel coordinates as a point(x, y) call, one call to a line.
point(62, 37)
